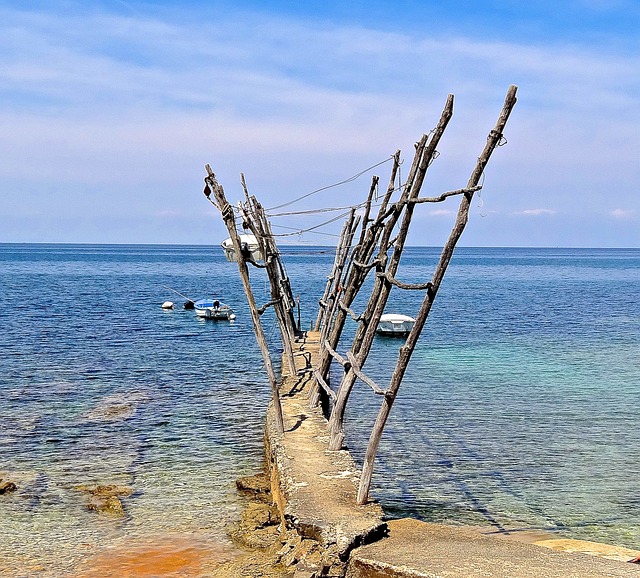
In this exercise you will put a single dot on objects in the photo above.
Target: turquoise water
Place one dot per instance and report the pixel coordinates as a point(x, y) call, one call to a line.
point(519, 408)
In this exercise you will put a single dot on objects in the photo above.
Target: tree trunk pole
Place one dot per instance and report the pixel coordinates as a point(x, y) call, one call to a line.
point(406, 351)
point(338, 262)
point(257, 222)
point(227, 216)
point(382, 287)
point(283, 313)
point(363, 253)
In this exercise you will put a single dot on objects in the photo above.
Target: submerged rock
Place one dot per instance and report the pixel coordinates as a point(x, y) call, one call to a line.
point(106, 505)
point(106, 499)
point(6, 487)
point(116, 407)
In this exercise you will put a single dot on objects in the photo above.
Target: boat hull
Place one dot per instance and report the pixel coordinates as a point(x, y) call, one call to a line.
point(395, 325)
point(210, 309)
point(249, 243)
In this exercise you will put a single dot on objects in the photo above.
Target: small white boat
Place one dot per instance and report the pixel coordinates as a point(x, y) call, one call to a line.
point(395, 324)
point(213, 309)
point(249, 246)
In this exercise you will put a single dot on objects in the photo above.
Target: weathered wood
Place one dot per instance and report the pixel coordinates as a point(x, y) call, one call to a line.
point(331, 296)
point(228, 217)
point(341, 270)
point(362, 377)
point(253, 217)
point(365, 219)
point(339, 260)
point(365, 333)
point(324, 385)
point(341, 360)
point(251, 221)
point(406, 351)
point(410, 286)
point(349, 311)
point(446, 195)
point(356, 276)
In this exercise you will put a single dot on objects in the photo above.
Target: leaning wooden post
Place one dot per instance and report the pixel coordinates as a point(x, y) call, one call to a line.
point(330, 299)
point(406, 350)
point(288, 300)
point(254, 220)
point(357, 271)
point(365, 333)
point(227, 216)
point(338, 263)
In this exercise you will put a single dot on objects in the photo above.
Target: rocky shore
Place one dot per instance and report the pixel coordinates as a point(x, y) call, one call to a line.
point(272, 551)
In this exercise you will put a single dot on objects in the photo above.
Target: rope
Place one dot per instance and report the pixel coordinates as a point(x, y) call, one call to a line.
point(314, 211)
point(300, 231)
point(350, 179)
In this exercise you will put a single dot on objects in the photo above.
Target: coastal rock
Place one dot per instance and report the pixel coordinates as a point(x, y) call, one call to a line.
point(258, 526)
point(260, 538)
point(6, 487)
point(257, 486)
point(303, 550)
point(259, 515)
point(251, 566)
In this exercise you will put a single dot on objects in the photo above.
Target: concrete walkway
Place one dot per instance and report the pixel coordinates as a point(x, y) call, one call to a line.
point(316, 489)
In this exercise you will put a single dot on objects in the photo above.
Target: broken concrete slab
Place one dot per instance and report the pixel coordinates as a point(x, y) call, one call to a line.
point(418, 549)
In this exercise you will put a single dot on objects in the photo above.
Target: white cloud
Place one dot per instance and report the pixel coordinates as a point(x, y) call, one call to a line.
point(623, 214)
point(535, 212)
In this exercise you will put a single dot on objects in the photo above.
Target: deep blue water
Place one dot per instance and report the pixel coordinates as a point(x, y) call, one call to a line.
point(519, 408)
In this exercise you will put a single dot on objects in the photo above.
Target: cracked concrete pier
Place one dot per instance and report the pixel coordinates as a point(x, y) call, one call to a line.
point(417, 549)
point(315, 489)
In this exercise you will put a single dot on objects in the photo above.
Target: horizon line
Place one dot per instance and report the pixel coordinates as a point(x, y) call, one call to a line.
point(302, 245)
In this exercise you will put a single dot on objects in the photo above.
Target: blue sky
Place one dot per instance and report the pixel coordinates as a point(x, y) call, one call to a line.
point(109, 111)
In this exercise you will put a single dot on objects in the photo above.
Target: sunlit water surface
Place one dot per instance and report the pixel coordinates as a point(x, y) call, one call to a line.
point(519, 409)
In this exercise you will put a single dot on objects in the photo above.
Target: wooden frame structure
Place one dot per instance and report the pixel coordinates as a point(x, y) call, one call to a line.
point(378, 251)
point(282, 300)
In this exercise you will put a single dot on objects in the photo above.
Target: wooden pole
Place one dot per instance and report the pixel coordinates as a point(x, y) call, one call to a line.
point(227, 216)
point(356, 275)
point(256, 221)
point(406, 351)
point(329, 301)
point(382, 287)
point(338, 261)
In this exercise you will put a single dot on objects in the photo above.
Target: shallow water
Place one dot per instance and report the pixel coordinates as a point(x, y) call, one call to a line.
point(518, 409)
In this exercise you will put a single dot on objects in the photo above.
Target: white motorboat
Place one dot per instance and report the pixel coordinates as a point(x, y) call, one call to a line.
point(249, 246)
point(395, 324)
point(213, 309)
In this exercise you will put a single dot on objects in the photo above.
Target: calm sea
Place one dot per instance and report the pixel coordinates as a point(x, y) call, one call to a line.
point(519, 408)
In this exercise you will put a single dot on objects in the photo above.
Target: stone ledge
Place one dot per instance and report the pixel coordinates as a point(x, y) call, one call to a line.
point(422, 550)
